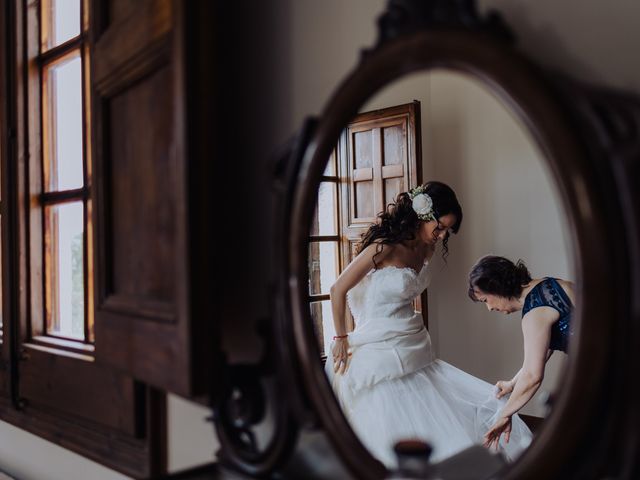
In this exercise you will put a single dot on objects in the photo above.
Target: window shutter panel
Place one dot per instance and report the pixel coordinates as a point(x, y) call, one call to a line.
point(144, 216)
point(379, 156)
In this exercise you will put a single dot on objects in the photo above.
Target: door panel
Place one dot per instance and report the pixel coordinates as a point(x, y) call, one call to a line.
point(143, 215)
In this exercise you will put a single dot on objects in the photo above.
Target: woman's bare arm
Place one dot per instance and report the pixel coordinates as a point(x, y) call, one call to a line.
point(536, 329)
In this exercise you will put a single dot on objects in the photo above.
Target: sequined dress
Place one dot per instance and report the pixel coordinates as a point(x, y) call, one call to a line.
point(549, 293)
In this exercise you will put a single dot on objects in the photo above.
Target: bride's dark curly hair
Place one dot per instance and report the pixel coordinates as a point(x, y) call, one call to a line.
point(400, 223)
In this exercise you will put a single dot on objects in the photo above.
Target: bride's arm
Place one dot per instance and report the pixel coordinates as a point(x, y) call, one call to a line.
point(348, 279)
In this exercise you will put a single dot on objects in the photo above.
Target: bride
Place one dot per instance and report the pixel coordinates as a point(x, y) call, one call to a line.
point(383, 373)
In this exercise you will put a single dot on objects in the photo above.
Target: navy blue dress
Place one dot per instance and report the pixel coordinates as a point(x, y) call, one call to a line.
point(549, 293)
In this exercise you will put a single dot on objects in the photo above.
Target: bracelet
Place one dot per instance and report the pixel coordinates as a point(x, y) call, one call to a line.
point(340, 336)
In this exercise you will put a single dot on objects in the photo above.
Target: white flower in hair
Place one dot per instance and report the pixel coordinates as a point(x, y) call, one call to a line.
point(422, 204)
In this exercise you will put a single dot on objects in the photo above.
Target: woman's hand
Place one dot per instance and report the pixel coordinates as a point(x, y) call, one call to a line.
point(492, 437)
point(340, 351)
point(504, 387)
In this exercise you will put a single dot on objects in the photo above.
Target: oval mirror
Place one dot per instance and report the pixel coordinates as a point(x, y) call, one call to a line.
point(422, 359)
point(512, 180)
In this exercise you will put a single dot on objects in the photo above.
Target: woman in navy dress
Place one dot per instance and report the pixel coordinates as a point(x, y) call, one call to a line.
point(546, 304)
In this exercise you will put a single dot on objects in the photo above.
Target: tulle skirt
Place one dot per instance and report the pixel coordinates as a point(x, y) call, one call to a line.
point(439, 403)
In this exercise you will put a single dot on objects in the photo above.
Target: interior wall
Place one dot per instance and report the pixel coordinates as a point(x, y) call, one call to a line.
point(511, 208)
point(589, 40)
point(28, 457)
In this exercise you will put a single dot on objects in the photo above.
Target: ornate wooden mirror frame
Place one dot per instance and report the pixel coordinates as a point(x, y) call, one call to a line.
point(590, 138)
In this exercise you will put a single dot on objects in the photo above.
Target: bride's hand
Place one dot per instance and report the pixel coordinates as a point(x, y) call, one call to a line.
point(504, 387)
point(340, 353)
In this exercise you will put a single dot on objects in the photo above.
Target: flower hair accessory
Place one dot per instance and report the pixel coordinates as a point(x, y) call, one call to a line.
point(422, 204)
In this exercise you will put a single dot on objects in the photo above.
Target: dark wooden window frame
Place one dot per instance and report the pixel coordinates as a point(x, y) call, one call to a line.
point(314, 240)
point(45, 59)
point(54, 387)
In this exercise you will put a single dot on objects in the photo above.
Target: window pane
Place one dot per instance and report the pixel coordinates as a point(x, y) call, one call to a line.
point(330, 170)
point(64, 257)
point(60, 21)
point(323, 266)
point(325, 219)
point(323, 324)
point(63, 124)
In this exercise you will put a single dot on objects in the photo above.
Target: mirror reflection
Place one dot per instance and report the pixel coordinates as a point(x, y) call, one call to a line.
point(440, 284)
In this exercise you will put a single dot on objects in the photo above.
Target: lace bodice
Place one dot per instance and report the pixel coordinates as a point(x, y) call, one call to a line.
point(386, 292)
point(390, 339)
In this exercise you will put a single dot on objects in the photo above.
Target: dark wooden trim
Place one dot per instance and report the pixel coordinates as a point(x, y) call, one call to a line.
point(8, 130)
point(324, 238)
point(420, 178)
point(33, 319)
point(154, 39)
point(87, 237)
point(156, 430)
point(62, 343)
point(64, 196)
point(53, 349)
point(334, 179)
point(132, 457)
point(56, 53)
point(319, 298)
point(21, 189)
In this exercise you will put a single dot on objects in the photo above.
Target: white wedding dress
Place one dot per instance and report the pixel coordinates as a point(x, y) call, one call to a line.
point(394, 389)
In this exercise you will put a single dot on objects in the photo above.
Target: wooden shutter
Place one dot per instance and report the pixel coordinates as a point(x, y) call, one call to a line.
point(144, 288)
point(379, 157)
